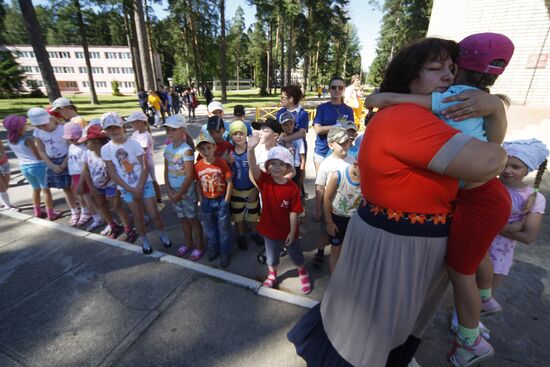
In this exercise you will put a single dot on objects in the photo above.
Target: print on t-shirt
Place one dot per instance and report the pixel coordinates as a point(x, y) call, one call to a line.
point(130, 176)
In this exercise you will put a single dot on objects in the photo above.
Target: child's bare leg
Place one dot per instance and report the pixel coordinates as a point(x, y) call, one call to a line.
point(103, 207)
point(334, 256)
point(36, 198)
point(48, 200)
point(136, 207)
point(484, 274)
point(497, 280)
point(70, 198)
point(240, 228)
point(90, 204)
point(197, 233)
point(187, 231)
point(151, 207)
point(158, 194)
point(466, 298)
point(116, 205)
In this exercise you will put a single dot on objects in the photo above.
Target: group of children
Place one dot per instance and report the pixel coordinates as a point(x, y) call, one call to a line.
point(98, 166)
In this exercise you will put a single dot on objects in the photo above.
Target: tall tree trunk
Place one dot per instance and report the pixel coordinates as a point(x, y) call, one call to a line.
point(307, 55)
point(154, 66)
point(131, 36)
point(317, 62)
point(39, 48)
point(270, 72)
point(84, 41)
point(290, 52)
point(223, 56)
point(276, 50)
point(148, 78)
point(282, 42)
point(194, 42)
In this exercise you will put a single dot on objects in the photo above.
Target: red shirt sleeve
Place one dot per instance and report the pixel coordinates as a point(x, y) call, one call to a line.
point(295, 202)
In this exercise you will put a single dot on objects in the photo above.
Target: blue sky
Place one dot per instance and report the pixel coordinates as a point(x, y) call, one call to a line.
point(366, 20)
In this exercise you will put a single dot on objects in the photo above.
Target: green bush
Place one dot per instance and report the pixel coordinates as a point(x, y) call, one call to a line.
point(115, 88)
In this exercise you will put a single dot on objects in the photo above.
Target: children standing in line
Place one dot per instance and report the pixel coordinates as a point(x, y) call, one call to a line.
point(5, 180)
point(528, 207)
point(216, 129)
point(106, 196)
point(240, 115)
point(179, 181)
point(32, 167)
point(296, 146)
point(53, 150)
point(124, 159)
point(72, 132)
point(142, 135)
point(341, 199)
point(280, 208)
point(214, 187)
point(244, 198)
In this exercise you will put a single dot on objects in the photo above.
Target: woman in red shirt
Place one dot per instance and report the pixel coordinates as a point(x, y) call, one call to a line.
point(391, 274)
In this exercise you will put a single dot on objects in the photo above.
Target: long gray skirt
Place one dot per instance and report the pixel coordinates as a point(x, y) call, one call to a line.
point(384, 288)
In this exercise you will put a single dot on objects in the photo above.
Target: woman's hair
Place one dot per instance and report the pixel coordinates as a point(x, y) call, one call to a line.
point(293, 91)
point(540, 172)
point(407, 64)
point(334, 78)
point(354, 77)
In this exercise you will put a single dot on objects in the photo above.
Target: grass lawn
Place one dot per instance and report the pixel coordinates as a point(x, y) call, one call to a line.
point(124, 105)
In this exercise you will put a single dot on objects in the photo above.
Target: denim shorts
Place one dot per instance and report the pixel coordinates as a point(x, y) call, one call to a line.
point(108, 191)
point(186, 208)
point(35, 173)
point(148, 192)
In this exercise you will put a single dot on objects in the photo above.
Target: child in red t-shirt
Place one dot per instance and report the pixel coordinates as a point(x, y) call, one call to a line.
point(280, 208)
point(214, 186)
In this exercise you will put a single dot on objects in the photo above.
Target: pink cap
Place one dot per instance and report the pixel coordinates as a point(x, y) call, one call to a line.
point(72, 130)
point(477, 51)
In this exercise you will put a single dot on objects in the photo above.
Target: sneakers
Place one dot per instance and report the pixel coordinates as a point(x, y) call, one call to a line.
point(490, 306)
point(106, 231)
point(131, 235)
point(95, 224)
point(463, 355)
point(146, 247)
point(241, 243)
point(257, 238)
point(84, 218)
point(116, 231)
point(165, 240)
point(483, 330)
point(224, 261)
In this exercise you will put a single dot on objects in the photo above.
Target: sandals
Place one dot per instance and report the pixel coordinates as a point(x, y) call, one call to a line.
point(55, 215)
point(183, 251)
point(271, 280)
point(73, 222)
point(304, 281)
point(196, 254)
point(84, 218)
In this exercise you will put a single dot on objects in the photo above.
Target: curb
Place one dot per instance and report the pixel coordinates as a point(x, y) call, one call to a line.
point(226, 276)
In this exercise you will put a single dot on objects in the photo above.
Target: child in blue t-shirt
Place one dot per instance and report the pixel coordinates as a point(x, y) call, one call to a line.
point(482, 209)
point(179, 178)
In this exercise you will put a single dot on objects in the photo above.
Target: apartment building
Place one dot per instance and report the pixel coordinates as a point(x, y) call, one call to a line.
point(108, 63)
point(527, 23)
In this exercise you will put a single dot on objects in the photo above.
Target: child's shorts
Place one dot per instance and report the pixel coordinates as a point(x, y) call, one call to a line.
point(242, 208)
point(4, 168)
point(60, 180)
point(186, 208)
point(342, 225)
point(480, 215)
point(35, 173)
point(148, 192)
point(502, 255)
point(75, 179)
point(108, 191)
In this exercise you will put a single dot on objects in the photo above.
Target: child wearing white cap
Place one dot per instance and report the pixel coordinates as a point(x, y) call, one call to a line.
point(280, 208)
point(143, 136)
point(124, 159)
point(53, 150)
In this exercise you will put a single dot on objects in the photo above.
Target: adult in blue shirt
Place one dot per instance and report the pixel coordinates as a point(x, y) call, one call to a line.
point(290, 102)
point(329, 114)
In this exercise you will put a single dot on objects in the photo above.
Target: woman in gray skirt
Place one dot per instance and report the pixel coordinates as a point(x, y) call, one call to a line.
point(391, 274)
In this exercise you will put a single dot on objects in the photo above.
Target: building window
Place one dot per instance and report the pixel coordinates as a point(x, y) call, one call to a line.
point(59, 55)
point(71, 84)
point(101, 84)
point(31, 69)
point(38, 83)
point(124, 55)
point(93, 55)
point(95, 70)
point(25, 54)
point(63, 69)
point(110, 55)
point(127, 84)
point(85, 84)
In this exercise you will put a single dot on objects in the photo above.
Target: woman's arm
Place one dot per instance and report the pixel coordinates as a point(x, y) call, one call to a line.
point(301, 133)
point(530, 229)
point(322, 130)
point(188, 179)
point(386, 99)
point(229, 190)
point(30, 142)
point(253, 167)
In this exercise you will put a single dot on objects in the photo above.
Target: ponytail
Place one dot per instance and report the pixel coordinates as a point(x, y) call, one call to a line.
point(540, 172)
